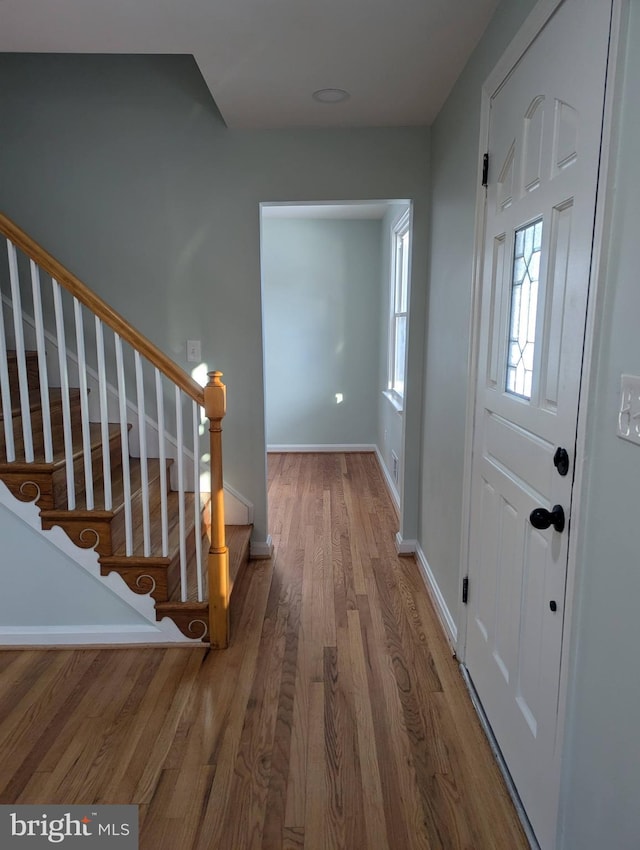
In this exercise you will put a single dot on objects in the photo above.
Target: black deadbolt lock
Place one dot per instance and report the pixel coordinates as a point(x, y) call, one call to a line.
point(561, 461)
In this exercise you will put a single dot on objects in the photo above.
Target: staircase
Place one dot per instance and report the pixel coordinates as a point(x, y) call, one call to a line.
point(142, 514)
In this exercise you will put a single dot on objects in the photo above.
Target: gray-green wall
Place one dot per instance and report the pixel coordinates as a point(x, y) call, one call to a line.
point(601, 786)
point(454, 164)
point(122, 167)
point(320, 287)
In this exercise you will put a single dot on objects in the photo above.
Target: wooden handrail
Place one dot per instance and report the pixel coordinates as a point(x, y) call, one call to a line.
point(101, 309)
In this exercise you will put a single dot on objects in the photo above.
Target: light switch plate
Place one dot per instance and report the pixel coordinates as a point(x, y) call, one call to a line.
point(629, 415)
point(194, 351)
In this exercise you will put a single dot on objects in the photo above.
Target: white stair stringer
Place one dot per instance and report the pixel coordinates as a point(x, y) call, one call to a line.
point(152, 631)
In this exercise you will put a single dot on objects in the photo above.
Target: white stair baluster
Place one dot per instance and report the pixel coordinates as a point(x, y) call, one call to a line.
point(124, 439)
point(181, 498)
point(23, 382)
point(64, 389)
point(196, 498)
point(163, 466)
point(84, 405)
point(42, 362)
point(104, 417)
point(144, 467)
point(5, 392)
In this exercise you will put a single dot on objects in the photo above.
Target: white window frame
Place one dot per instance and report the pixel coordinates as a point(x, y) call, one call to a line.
point(400, 273)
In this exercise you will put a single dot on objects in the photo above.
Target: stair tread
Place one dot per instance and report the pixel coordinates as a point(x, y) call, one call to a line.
point(155, 528)
point(237, 540)
point(117, 488)
point(35, 401)
point(40, 465)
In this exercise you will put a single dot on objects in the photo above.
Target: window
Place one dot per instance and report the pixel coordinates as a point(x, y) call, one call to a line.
point(399, 308)
point(524, 305)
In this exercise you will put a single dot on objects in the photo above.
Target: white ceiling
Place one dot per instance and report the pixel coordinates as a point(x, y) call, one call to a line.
point(262, 59)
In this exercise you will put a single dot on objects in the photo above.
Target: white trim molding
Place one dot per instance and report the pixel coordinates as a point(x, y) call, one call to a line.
point(55, 636)
point(442, 609)
point(396, 401)
point(322, 447)
point(237, 509)
point(526, 35)
point(405, 547)
point(388, 480)
point(261, 549)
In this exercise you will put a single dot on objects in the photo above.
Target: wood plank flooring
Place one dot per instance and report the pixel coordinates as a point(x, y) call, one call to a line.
point(336, 719)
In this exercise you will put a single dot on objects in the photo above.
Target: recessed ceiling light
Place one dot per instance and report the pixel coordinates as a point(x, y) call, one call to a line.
point(331, 95)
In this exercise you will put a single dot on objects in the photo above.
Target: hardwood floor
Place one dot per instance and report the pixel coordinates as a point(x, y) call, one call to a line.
point(337, 718)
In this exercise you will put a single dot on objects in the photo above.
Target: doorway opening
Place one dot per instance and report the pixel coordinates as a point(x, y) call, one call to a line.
point(334, 331)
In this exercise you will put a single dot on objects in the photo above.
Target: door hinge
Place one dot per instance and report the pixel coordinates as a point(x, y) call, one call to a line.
point(465, 589)
point(485, 169)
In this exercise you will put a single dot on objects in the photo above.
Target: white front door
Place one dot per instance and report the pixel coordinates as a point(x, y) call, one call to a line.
point(545, 129)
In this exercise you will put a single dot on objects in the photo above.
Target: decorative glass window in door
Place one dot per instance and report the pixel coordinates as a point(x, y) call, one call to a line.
point(524, 304)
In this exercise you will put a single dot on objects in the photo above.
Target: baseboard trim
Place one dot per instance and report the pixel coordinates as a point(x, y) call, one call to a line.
point(405, 547)
point(442, 610)
point(388, 480)
point(42, 647)
point(52, 636)
point(261, 549)
point(323, 447)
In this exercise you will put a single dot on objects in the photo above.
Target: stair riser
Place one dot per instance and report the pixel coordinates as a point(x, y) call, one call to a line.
point(37, 429)
point(94, 529)
point(173, 571)
point(33, 378)
point(142, 579)
point(60, 475)
point(118, 525)
point(140, 575)
point(30, 487)
point(85, 531)
point(192, 618)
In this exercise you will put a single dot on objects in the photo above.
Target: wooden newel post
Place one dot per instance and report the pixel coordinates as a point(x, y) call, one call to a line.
point(215, 405)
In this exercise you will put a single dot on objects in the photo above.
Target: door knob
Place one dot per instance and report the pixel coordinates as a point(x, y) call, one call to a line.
point(542, 518)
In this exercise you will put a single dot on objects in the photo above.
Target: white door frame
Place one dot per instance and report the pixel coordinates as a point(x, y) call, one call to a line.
point(535, 22)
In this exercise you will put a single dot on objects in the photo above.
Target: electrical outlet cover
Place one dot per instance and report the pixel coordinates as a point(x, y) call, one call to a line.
point(629, 414)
